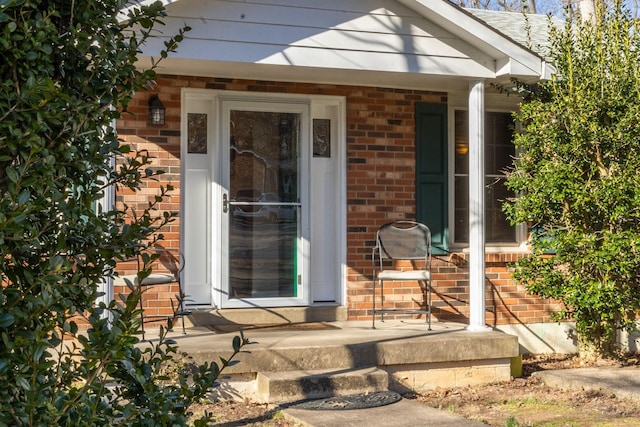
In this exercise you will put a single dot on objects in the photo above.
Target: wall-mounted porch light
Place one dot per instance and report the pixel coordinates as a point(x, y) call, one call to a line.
point(156, 111)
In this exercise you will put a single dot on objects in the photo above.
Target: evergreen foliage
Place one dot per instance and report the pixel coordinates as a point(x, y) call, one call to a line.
point(67, 70)
point(578, 181)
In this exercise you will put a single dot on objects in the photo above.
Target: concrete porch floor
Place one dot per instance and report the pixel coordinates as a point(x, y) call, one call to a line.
point(288, 365)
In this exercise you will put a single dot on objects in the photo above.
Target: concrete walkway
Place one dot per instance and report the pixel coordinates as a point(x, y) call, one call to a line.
point(405, 413)
point(623, 382)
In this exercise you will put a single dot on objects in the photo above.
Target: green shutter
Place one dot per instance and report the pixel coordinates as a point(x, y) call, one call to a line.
point(431, 172)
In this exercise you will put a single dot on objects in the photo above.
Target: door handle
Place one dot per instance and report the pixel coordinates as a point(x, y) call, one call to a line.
point(225, 203)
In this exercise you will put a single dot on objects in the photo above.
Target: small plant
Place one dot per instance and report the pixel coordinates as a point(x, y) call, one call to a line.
point(512, 422)
point(278, 415)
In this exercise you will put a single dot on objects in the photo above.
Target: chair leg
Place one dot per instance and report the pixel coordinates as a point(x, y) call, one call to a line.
point(429, 299)
point(182, 313)
point(181, 308)
point(373, 301)
point(184, 331)
point(382, 301)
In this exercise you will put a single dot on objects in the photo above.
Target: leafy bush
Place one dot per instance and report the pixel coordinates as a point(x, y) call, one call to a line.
point(67, 71)
point(577, 173)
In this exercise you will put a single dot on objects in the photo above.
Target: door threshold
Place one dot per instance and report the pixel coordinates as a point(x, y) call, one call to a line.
point(268, 315)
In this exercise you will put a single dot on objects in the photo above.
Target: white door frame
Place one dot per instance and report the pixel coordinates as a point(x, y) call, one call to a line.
point(202, 190)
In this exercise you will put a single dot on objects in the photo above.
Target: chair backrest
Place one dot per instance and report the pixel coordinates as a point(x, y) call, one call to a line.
point(169, 258)
point(162, 263)
point(404, 240)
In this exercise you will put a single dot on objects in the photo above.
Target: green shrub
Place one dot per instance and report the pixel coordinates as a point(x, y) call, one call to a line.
point(577, 174)
point(68, 69)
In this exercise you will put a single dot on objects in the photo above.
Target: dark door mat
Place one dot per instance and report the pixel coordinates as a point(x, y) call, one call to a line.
point(307, 326)
point(354, 401)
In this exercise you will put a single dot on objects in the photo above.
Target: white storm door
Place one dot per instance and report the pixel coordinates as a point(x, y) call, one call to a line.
point(264, 231)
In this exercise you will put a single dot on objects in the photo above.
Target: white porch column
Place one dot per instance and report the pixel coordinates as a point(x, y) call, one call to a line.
point(108, 203)
point(476, 208)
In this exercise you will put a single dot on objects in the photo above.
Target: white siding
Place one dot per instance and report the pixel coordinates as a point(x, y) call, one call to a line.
point(378, 35)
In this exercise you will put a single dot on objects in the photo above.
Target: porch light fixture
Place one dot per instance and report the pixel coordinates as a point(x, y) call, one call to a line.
point(156, 111)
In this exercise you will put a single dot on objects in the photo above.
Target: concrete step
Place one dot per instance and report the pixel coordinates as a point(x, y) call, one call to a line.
point(291, 386)
point(412, 357)
point(260, 316)
point(319, 350)
point(282, 359)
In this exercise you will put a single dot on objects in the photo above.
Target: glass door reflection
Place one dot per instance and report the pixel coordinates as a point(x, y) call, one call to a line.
point(264, 214)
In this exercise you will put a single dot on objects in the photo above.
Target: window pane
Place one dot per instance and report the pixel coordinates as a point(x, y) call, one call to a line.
point(461, 142)
point(263, 237)
point(503, 159)
point(499, 153)
point(461, 209)
point(499, 148)
point(498, 228)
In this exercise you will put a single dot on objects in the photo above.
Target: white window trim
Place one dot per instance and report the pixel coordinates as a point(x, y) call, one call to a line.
point(521, 230)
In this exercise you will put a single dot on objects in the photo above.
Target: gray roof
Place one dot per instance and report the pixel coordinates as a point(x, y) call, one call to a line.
point(530, 30)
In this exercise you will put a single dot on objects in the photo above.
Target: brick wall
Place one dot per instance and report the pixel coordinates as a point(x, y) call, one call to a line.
point(506, 302)
point(162, 144)
point(381, 188)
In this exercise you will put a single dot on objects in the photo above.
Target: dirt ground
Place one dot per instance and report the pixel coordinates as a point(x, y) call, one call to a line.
point(517, 403)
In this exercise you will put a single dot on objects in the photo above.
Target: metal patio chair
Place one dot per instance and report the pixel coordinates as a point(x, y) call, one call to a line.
point(402, 253)
point(171, 260)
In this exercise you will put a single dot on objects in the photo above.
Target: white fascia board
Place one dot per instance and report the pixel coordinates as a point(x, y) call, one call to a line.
point(479, 34)
point(548, 71)
point(507, 67)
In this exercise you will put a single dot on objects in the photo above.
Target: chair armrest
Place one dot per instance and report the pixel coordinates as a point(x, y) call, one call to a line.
point(150, 280)
point(158, 279)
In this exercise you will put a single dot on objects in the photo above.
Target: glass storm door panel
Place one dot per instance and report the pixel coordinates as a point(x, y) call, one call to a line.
point(263, 216)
